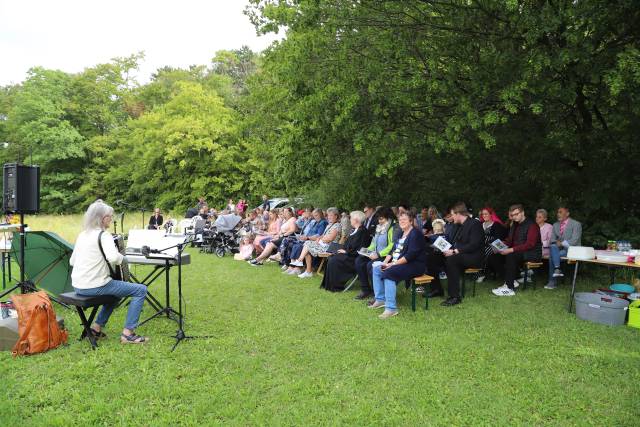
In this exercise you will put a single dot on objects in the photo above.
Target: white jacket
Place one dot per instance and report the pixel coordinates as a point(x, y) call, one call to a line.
point(89, 268)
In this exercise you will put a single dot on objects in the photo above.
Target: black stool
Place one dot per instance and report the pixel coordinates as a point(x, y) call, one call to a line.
point(81, 303)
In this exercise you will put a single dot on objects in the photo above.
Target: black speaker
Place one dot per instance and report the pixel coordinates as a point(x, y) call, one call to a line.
point(21, 188)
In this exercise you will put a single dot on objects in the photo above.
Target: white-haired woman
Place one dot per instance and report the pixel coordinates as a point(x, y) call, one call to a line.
point(342, 266)
point(95, 248)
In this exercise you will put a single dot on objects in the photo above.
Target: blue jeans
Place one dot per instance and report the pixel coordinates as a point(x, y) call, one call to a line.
point(384, 289)
point(120, 289)
point(554, 259)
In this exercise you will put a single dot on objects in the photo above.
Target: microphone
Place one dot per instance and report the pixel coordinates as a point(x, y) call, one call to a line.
point(146, 250)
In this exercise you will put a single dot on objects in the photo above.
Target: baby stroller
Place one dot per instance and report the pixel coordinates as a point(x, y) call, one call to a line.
point(224, 236)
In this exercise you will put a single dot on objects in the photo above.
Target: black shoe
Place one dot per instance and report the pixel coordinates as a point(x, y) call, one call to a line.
point(436, 293)
point(451, 301)
point(362, 295)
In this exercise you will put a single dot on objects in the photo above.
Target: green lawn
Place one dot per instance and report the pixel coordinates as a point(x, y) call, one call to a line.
point(284, 352)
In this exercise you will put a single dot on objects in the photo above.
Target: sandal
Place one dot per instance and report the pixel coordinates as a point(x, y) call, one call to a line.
point(132, 339)
point(97, 334)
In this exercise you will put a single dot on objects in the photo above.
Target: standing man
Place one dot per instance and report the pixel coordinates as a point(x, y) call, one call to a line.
point(524, 245)
point(466, 250)
point(566, 232)
point(265, 203)
point(156, 220)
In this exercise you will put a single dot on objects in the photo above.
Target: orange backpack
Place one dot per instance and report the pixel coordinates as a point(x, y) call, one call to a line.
point(37, 325)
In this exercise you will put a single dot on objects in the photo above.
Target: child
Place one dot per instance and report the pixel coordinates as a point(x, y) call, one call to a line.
point(246, 248)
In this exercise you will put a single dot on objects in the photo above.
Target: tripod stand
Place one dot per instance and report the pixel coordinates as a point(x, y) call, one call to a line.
point(180, 333)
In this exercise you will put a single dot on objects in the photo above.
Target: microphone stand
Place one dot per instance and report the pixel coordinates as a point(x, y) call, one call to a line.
point(180, 333)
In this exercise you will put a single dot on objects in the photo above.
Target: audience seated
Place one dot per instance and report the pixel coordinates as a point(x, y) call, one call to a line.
point(406, 261)
point(546, 230)
point(292, 247)
point(524, 245)
point(566, 232)
point(386, 233)
point(341, 266)
point(312, 248)
point(435, 258)
point(465, 252)
point(493, 229)
point(371, 220)
point(272, 231)
point(287, 229)
point(345, 224)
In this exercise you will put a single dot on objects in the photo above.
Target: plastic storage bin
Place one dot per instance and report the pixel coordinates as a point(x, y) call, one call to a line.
point(598, 308)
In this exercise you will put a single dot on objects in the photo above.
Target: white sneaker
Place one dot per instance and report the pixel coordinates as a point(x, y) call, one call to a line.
point(284, 268)
point(503, 291)
point(293, 272)
point(480, 279)
point(558, 273)
point(305, 275)
point(443, 275)
point(377, 304)
point(296, 263)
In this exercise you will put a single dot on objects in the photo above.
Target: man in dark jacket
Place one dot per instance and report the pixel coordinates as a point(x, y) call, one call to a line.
point(466, 251)
point(524, 245)
point(371, 220)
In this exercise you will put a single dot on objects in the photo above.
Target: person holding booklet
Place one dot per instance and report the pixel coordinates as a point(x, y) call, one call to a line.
point(386, 233)
point(465, 252)
point(522, 244)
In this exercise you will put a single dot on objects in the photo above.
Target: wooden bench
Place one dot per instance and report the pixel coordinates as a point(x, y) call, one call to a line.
point(420, 281)
point(81, 303)
point(530, 265)
point(464, 280)
point(323, 258)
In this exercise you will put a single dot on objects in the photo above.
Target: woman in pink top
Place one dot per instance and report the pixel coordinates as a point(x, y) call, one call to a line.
point(545, 230)
point(273, 229)
point(288, 228)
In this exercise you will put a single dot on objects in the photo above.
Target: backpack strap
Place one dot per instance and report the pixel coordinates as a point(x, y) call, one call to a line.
point(103, 255)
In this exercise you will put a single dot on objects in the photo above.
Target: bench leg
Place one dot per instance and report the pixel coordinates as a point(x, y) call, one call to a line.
point(87, 326)
point(426, 297)
point(413, 295)
point(464, 284)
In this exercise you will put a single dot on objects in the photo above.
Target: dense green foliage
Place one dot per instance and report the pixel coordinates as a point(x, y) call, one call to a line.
point(284, 352)
point(488, 101)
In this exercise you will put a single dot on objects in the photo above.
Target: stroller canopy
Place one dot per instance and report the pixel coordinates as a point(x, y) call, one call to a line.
point(227, 222)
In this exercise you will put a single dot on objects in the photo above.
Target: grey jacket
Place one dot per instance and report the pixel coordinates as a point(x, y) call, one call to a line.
point(572, 233)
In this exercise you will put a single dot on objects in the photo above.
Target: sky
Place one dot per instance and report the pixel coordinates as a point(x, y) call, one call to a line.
point(71, 35)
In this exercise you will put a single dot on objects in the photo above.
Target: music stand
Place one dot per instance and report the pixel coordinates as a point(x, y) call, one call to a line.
point(180, 334)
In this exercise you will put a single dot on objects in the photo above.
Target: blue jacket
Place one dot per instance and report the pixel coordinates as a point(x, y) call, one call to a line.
point(316, 229)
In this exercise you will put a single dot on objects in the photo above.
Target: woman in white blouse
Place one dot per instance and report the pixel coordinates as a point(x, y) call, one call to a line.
point(91, 274)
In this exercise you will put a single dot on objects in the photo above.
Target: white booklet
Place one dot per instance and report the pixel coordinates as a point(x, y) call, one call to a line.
point(499, 245)
point(441, 244)
point(366, 252)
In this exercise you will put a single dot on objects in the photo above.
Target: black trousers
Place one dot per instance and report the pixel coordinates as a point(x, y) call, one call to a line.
point(512, 264)
point(495, 263)
point(435, 264)
point(364, 270)
point(455, 266)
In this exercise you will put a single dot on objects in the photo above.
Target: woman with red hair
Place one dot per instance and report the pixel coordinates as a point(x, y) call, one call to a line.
point(494, 229)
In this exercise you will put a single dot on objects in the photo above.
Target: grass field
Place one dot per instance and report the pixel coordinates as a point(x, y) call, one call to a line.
point(284, 352)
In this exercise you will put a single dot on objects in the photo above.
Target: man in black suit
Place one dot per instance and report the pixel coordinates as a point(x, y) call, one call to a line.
point(371, 220)
point(466, 251)
point(156, 220)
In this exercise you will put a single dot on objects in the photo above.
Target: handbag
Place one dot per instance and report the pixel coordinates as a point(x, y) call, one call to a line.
point(37, 325)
